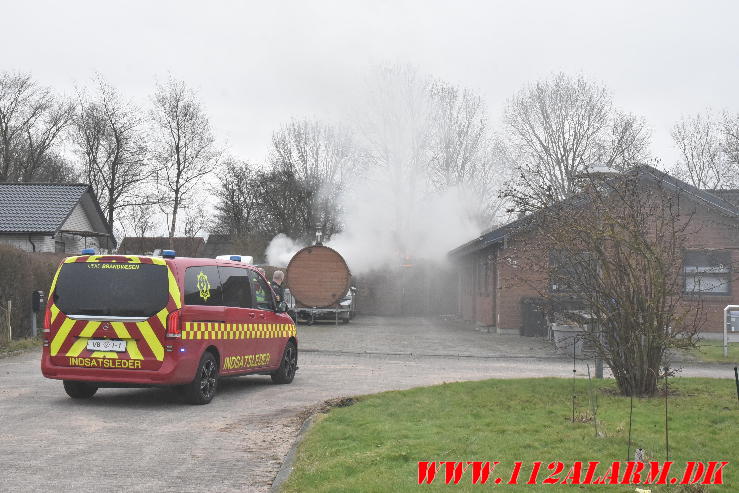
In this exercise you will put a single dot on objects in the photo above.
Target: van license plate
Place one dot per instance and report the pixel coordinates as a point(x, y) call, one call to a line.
point(106, 345)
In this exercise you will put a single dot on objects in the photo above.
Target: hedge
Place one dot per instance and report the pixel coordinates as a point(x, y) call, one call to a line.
point(21, 273)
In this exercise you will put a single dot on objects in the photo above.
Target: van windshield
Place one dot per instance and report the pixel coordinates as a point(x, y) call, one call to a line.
point(111, 289)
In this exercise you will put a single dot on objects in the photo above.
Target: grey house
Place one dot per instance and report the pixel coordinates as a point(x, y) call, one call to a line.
point(52, 217)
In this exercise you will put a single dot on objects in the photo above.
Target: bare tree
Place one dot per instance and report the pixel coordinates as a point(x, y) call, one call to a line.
point(239, 199)
point(463, 151)
point(184, 146)
point(616, 249)
point(110, 137)
point(559, 127)
point(702, 143)
point(31, 121)
point(319, 158)
point(731, 144)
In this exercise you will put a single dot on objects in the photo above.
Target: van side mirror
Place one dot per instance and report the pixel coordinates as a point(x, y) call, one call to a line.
point(281, 307)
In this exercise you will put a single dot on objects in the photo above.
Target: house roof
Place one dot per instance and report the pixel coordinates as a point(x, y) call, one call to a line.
point(719, 202)
point(184, 246)
point(44, 207)
point(219, 244)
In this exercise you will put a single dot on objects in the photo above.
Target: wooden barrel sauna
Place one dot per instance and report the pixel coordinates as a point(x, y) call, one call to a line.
point(318, 277)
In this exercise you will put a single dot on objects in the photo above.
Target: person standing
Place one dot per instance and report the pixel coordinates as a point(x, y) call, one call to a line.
point(277, 280)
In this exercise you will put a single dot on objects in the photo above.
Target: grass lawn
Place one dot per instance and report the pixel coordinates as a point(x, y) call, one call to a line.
point(20, 345)
point(375, 444)
point(711, 351)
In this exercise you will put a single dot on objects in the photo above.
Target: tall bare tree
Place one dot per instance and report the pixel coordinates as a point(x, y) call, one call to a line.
point(184, 146)
point(110, 137)
point(31, 122)
point(318, 158)
point(239, 199)
point(731, 139)
point(704, 161)
point(559, 127)
point(463, 153)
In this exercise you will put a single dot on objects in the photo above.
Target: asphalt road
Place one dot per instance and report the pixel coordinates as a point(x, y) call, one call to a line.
point(147, 440)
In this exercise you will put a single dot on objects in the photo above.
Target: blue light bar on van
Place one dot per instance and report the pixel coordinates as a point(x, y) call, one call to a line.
point(169, 253)
point(235, 258)
point(88, 251)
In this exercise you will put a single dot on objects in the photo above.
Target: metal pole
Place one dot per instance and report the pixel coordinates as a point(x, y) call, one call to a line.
point(598, 359)
point(10, 329)
point(736, 378)
point(574, 346)
point(667, 434)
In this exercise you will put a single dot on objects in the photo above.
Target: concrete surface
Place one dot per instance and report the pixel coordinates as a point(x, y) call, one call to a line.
point(147, 440)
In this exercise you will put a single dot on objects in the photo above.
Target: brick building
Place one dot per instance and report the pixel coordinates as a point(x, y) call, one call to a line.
point(490, 296)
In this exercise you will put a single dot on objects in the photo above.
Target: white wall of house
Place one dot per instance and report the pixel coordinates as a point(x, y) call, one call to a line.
point(41, 242)
point(77, 220)
point(62, 242)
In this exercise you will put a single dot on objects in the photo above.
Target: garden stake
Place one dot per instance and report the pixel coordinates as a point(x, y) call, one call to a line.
point(574, 346)
point(631, 412)
point(736, 379)
point(667, 435)
point(592, 404)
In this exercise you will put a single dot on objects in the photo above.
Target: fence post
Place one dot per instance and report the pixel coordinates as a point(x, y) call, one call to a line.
point(7, 319)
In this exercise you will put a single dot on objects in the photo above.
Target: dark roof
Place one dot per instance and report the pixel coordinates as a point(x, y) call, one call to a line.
point(219, 244)
point(39, 207)
point(184, 246)
point(730, 195)
point(720, 202)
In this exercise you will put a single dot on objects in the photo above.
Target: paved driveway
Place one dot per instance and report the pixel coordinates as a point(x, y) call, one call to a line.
point(146, 440)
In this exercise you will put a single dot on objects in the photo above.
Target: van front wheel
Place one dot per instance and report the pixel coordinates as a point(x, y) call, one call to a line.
point(203, 387)
point(79, 390)
point(288, 365)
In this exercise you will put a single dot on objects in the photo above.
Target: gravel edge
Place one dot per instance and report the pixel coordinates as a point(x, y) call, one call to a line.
point(287, 465)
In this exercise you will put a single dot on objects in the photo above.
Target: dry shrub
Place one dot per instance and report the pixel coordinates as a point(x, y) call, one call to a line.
point(21, 273)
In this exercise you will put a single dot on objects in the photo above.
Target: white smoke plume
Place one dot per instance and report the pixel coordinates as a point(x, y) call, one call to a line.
point(281, 249)
point(413, 198)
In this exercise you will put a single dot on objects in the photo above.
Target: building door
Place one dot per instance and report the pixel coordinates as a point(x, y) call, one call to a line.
point(533, 319)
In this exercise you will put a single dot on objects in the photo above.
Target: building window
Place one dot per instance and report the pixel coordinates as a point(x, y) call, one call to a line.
point(483, 276)
point(59, 246)
point(707, 272)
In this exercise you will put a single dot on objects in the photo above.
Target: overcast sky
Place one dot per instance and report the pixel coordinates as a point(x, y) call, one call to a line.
point(257, 64)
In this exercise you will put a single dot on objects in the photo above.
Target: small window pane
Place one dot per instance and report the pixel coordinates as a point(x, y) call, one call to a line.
point(203, 286)
point(706, 284)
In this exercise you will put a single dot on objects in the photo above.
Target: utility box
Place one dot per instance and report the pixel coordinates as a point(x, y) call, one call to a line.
point(37, 301)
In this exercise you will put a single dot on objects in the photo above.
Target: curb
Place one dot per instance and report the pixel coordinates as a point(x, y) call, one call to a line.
point(287, 465)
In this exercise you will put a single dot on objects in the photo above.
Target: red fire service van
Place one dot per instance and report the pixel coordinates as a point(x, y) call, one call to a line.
point(129, 321)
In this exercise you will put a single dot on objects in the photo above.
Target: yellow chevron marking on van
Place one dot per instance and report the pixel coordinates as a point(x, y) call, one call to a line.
point(131, 345)
point(61, 336)
point(151, 340)
point(174, 289)
point(162, 316)
point(81, 341)
point(54, 312)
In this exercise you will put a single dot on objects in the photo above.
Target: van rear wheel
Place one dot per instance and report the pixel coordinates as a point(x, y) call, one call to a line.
point(203, 387)
point(79, 390)
point(288, 365)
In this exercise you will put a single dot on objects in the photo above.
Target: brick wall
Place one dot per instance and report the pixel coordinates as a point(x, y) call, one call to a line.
point(514, 278)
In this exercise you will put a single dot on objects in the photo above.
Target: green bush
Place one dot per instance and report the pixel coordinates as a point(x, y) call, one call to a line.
point(21, 273)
